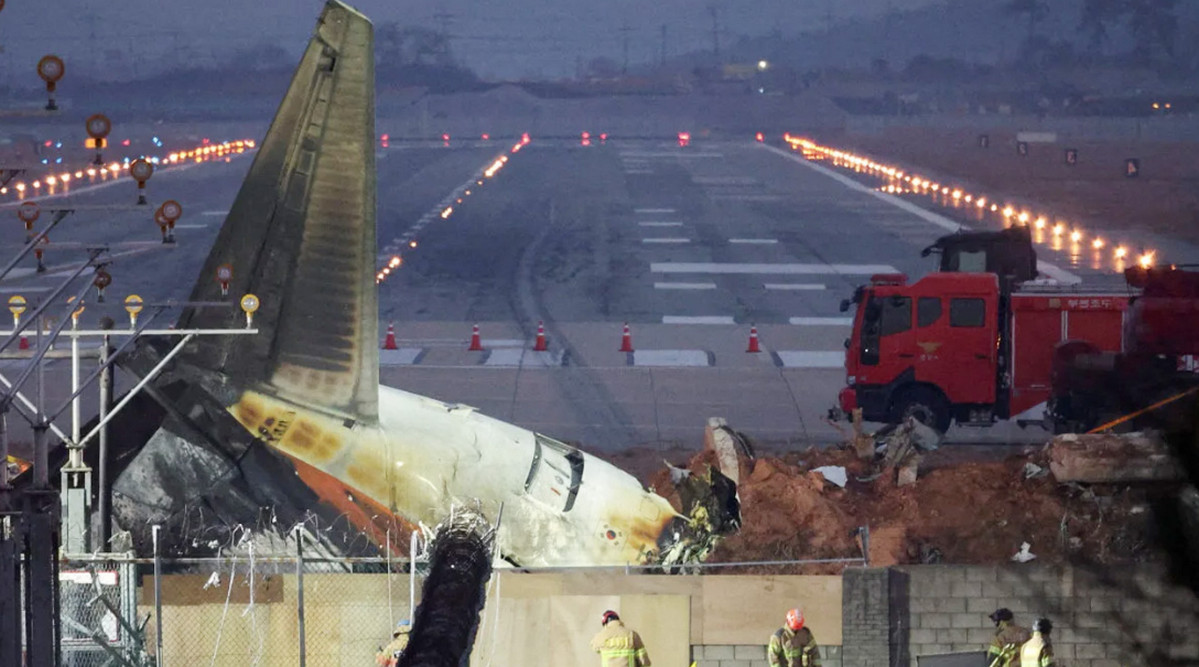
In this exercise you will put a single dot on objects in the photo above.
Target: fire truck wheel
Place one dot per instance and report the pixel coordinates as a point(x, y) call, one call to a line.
point(927, 405)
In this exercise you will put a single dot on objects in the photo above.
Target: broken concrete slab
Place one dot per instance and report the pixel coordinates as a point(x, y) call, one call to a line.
point(1113, 458)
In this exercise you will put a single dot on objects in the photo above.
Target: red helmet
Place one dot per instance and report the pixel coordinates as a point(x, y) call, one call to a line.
point(610, 616)
point(795, 619)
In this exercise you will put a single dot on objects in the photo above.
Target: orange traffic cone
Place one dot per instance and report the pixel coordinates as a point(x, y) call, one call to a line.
point(626, 339)
point(540, 345)
point(389, 343)
point(476, 345)
point(24, 344)
point(753, 340)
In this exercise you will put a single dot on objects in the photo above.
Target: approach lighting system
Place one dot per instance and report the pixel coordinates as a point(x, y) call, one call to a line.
point(133, 306)
point(249, 304)
point(224, 274)
point(98, 126)
point(102, 280)
point(166, 216)
point(141, 170)
point(51, 69)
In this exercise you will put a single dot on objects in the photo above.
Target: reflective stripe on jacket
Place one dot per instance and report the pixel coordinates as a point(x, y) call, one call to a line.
point(619, 646)
point(793, 648)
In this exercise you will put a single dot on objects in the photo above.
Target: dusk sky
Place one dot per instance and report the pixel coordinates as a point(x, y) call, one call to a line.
point(500, 38)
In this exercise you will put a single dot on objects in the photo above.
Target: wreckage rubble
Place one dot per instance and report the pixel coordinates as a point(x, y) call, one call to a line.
point(920, 504)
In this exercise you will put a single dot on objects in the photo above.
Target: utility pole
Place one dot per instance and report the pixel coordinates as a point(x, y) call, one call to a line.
point(712, 11)
point(662, 55)
point(624, 34)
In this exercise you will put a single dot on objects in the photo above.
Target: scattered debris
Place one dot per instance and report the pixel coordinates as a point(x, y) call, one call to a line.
point(1032, 471)
point(1024, 555)
point(1113, 458)
point(834, 474)
point(908, 472)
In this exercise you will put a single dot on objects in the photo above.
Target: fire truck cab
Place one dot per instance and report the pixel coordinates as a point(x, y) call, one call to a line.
point(957, 347)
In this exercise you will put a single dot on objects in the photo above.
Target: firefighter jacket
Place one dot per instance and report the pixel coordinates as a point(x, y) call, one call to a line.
point(619, 646)
point(1005, 647)
point(1036, 652)
point(389, 655)
point(793, 648)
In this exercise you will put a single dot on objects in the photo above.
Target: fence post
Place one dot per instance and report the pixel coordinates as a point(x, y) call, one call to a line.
point(157, 598)
point(300, 595)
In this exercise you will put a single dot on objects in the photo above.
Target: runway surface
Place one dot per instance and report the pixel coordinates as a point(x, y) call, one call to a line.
point(691, 246)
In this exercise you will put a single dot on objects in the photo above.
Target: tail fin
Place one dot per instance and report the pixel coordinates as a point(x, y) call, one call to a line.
point(301, 236)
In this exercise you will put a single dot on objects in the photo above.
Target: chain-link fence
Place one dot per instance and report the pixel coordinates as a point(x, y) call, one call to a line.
point(246, 609)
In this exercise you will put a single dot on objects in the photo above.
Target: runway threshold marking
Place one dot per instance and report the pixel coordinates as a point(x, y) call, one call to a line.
point(653, 210)
point(213, 213)
point(666, 240)
point(698, 319)
point(660, 224)
point(775, 269)
point(671, 358)
point(684, 285)
point(794, 286)
point(754, 241)
point(821, 321)
point(810, 359)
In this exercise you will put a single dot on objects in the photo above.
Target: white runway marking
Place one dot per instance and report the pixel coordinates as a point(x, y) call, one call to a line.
point(653, 210)
point(724, 180)
point(638, 171)
point(926, 215)
point(523, 357)
point(746, 197)
point(684, 285)
point(780, 269)
point(405, 356)
point(215, 213)
point(191, 225)
point(805, 359)
point(671, 358)
point(754, 241)
point(697, 319)
point(794, 286)
point(18, 290)
point(666, 240)
point(660, 224)
point(822, 321)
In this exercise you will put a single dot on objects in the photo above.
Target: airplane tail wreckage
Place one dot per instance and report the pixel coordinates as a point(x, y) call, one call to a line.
point(291, 426)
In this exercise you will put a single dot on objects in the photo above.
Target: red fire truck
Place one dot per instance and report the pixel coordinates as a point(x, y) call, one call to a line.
point(958, 347)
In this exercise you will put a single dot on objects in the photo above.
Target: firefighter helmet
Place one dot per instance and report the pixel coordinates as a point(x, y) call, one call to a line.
point(610, 616)
point(1001, 614)
point(1042, 625)
point(795, 619)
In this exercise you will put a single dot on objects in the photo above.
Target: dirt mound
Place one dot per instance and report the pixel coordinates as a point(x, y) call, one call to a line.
point(963, 512)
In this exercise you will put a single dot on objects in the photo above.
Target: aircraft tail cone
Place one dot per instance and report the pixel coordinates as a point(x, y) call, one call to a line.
point(476, 345)
point(540, 345)
point(753, 341)
point(626, 339)
point(389, 343)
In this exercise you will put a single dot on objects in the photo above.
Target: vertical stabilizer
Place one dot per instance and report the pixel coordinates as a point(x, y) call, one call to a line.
point(301, 236)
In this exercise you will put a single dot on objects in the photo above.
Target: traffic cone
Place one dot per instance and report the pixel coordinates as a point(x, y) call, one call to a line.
point(24, 344)
point(389, 343)
point(476, 345)
point(753, 340)
point(626, 339)
point(540, 345)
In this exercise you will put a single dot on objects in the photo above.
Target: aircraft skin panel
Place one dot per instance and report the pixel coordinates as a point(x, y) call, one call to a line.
point(426, 457)
point(301, 236)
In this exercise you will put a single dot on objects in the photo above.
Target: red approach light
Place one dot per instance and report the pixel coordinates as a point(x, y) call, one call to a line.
point(445, 137)
point(386, 137)
point(204, 141)
point(603, 137)
point(49, 143)
point(486, 137)
point(759, 137)
point(524, 138)
point(126, 142)
point(684, 138)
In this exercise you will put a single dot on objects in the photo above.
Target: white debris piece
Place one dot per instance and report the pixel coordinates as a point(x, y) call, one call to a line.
point(924, 437)
point(213, 580)
point(1032, 470)
point(1024, 555)
point(834, 474)
point(677, 475)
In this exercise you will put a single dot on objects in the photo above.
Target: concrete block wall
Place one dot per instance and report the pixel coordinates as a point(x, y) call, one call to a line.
point(752, 655)
point(1101, 618)
point(866, 617)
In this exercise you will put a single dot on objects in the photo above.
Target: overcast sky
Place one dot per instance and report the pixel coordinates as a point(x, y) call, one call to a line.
point(499, 38)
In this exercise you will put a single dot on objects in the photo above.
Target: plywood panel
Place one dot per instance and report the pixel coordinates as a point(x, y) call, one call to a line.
point(664, 623)
point(513, 631)
point(745, 609)
point(574, 620)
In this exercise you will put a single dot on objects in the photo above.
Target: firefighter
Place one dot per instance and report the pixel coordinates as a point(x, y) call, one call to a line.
point(1038, 651)
point(793, 644)
point(1009, 637)
point(389, 655)
point(617, 645)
